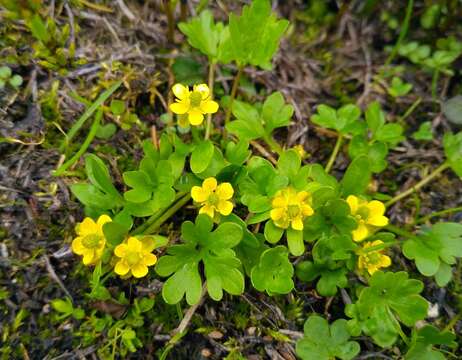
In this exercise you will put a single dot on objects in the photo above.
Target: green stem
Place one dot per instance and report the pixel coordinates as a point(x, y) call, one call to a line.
point(411, 109)
point(275, 147)
point(438, 213)
point(402, 33)
point(167, 214)
point(84, 147)
point(232, 96)
point(208, 128)
point(435, 77)
point(419, 185)
point(453, 321)
point(333, 156)
point(399, 231)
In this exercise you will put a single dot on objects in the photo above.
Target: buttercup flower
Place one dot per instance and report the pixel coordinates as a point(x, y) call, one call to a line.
point(373, 260)
point(290, 208)
point(135, 257)
point(368, 215)
point(194, 103)
point(90, 241)
point(213, 197)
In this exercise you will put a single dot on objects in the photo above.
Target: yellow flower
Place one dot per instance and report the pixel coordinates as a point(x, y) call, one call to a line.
point(368, 216)
point(213, 197)
point(290, 208)
point(135, 257)
point(194, 103)
point(373, 260)
point(90, 241)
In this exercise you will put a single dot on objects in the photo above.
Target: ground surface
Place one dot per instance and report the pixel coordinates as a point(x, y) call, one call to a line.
point(38, 213)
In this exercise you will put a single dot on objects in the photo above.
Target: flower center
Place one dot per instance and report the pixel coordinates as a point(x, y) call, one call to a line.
point(293, 211)
point(362, 213)
point(195, 98)
point(132, 257)
point(213, 199)
point(91, 241)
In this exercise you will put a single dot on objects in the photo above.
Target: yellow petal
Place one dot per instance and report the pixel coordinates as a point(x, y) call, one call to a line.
point(195, 117)
point(209, 106)
point(103, 219)
point(302, 195)
point(360, 263)
point(385, 261)
point(149, 259)
point(377, 220)
point(297, 223)
point(147, 244)
point(77, 246)
point(86, 227)
point(224, 191)
point(120, 250)
point(376, 208)
point(207, 209)
point(88, 257)
point(179, 107)
point(372, 269)
point(374, 243)
point(277, 213)
point(121, 268)
point(199, 194)
point(133, 244)
point(209, 184)
point(203, 89)
point(225, 207)
point(180, 91)
point(307, 210)
point(360, 233)
point(139, 270)
point(353, 203)
point(279, 202)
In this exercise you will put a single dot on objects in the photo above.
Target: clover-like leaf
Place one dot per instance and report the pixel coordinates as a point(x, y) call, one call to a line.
point(247, 125)
point(214, 249)
point(324, 342)
point(275, 112)
point(424, 341)
point(391, 298)
point(345, 120)
point(424, 132)
point(453, 150)
point(203, 34)
point(437, 247)
point(329, 279)
point(253, 37)
point(274, 272)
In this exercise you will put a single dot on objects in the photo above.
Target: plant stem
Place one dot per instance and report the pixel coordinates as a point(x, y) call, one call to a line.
point(411, 109)
point(84, 147)
point(232, 96)
point(167, 214)
point(402, 33)
point(208, 128)
point(170, 20)
point(399, 231)
point(275, 147)
point(333, 156)
point(419, 185)
point(438, 213)
point(435, 77)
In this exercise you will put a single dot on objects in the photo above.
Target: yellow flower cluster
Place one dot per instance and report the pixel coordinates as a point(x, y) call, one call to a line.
point(133, 255)
point(290, 208)
point(193, 104)
point(372, 260)
point(213, 198)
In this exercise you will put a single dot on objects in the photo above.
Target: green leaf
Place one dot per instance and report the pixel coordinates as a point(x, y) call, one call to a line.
point(16, 81)
point(117, 107)
point(114, 233)
point(276, 113)
point(295, 241)
point(238, 153)
point(390, 298)
point(424, 341)
point(253, 37)
point(375, 118)
point(91, 196)
point(376, 152)
point(329, 279)
point(356, 177)
point(187, 281)
point(425, 132)
point(188, 71)
point(203, 34)
point(141, 184)
point(398, 87)
point(39, 29)
point(63, 306)
point(345, 120)
point(106, 131)
point(272, 232)
point(453, 150)
point(274, 272)
point(202, 156)
point(98, 174)
point(439, 245)
point(248, 125)
point(452, 109)
point(289, 163)
point(324, 342)
point(5, 73)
